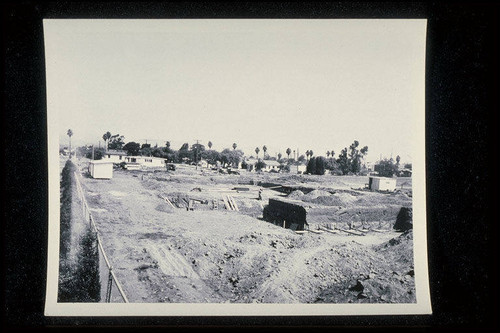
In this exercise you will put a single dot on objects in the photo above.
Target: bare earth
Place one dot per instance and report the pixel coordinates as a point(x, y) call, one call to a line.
point(165, 254)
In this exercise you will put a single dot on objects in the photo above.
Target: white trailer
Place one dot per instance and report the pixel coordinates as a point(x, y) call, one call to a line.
point(101, 169)
point(382, 184)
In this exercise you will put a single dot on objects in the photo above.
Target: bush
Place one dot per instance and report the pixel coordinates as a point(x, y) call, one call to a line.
point(98, 154)
point(87, 281)
point(316, 166)
point(67, 175)
point(386, 168)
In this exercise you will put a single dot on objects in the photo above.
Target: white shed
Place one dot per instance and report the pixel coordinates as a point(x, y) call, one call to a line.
point(382, 183)
point(101, 169)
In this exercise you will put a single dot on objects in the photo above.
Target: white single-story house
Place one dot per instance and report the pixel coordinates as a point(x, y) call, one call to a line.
point(101, 169)
point(271, 165)
point(115, 156)
point(146, 161)
point(404, 172)
point(381, 183)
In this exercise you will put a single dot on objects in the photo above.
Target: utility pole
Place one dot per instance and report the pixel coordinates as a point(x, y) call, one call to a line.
point(196, 154)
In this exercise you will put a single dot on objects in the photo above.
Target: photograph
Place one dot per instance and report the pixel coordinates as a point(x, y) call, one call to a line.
point(236, 167)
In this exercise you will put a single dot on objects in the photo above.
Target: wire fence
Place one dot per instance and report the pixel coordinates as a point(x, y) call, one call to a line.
point(111, 294)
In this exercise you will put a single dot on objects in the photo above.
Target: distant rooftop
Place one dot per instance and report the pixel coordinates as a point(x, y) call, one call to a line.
point(116, 152)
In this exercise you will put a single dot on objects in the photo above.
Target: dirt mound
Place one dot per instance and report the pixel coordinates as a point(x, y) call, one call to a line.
point(399, 249)
point(327, 201)
point(164, 207)
point(297, 194)
point(316, 193)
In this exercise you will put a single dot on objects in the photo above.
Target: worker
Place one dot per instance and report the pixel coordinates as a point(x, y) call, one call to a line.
point(260, 194)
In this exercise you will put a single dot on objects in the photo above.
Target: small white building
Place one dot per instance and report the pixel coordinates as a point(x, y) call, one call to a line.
point(115, 156)
point(101, 169)
point(381, 183)
point(147, 161)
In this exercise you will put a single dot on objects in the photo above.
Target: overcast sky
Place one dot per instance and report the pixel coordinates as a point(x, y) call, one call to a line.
point(303, 84)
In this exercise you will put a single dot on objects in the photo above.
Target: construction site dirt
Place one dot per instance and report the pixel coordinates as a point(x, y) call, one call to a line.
point(195, 235)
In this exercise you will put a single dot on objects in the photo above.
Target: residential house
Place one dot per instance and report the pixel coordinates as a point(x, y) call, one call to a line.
point(270, 165)
point(115, 156)
point(146, 161)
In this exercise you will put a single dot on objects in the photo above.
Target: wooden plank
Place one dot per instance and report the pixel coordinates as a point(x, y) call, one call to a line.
point(169, 202)
point(226, 203)
point(352, 232)
point(233, 202)
point(329, 230)
point(300, 231)
point(316, 231)
point(230, 203)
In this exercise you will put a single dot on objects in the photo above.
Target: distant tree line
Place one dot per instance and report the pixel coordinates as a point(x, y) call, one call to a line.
point(348, 162)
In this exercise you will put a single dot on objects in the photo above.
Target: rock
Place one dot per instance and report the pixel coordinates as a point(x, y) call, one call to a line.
point(358, 287)
point(361, 296)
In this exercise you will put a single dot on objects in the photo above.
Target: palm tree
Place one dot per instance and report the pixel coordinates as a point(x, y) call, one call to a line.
point(234, 146)
point(288, 152)
point(257, 152)
point(70, 134)
point(328, 153)
point(106, 138)
point(209, 144)
point(264, 148)
point(307, 154)
point(279, 156)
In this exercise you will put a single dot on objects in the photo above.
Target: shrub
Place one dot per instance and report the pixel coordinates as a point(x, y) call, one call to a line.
point(67, 175)
point(316, 166)
point(87, 282)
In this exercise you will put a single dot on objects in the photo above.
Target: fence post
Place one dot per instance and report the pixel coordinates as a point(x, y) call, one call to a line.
point(110, 285)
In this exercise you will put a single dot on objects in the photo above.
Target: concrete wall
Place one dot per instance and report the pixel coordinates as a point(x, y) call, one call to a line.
point(286, 214)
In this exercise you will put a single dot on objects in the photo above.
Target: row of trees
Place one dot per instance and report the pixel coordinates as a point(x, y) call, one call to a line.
point(348, 162)
point(79, 279)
